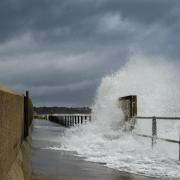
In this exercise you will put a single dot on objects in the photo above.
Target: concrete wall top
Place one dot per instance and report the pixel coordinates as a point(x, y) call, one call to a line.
point(5, 89)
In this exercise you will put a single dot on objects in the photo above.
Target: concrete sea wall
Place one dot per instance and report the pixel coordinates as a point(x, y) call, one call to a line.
point(14, 141)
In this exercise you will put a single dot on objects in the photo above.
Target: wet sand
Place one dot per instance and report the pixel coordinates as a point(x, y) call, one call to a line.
point(51, 164)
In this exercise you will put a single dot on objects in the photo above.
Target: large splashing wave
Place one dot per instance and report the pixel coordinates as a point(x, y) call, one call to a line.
point(156, 85)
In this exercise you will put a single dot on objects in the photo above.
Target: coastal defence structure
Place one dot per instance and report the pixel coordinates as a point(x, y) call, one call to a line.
point(128, 105)
point(15, 120)
point(69, 120)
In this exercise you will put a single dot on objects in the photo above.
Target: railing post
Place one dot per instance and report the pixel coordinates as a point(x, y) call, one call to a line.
point(179, 147)
point(154, 131)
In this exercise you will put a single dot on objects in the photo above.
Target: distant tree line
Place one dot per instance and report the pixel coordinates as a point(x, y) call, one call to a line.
point(62, 110)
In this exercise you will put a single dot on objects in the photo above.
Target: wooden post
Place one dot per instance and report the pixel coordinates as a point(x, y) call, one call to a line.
point(74, 117)
point(65, 120)
point(72, 120)
point(62, 120)
point(78, 121)
point(154, 131)
point(84, 120)
point(68, 121)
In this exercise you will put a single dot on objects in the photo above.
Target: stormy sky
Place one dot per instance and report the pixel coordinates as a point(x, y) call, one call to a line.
point(60, 49)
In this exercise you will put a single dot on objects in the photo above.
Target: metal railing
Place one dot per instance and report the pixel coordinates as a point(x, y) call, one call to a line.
point(154, 136)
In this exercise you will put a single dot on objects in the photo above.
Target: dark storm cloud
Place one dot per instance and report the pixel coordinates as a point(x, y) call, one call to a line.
point(60, 49)
point(72, 95)
point(69, 19)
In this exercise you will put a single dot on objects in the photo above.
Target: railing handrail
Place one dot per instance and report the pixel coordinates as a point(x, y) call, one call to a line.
point(157, 117)
point(163, 139)
point(154, 136)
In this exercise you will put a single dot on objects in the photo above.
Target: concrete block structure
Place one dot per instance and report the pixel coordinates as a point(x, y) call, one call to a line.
point(12, 138)
point(128, 105)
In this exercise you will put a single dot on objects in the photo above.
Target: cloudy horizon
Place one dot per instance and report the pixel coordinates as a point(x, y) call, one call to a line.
point(60, 50)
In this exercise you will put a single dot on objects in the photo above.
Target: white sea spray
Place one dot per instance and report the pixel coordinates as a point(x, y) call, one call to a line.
point(156, 84)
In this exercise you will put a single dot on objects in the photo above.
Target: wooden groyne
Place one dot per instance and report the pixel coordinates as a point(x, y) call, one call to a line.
point(69, 120)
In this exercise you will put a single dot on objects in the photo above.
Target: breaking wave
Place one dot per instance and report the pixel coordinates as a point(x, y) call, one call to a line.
point(156, 84)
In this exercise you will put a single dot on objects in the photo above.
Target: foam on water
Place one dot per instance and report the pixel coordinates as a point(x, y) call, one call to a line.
point(157, 87)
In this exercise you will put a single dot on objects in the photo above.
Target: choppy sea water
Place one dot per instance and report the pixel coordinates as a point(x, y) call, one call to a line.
point(157, 88)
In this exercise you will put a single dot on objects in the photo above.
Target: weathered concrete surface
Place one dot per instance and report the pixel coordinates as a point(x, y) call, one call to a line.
point(12, 148)
point(26, 154)
point(128, 105)
point(16, 171)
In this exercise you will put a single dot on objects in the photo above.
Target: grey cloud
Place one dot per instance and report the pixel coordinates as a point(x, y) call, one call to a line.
point(72, 19)
point(162, 39)
point(61, 49)
point(77, 94)
point(142, 10)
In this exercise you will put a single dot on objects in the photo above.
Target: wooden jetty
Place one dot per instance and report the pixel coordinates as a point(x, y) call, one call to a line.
point(69, 120)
